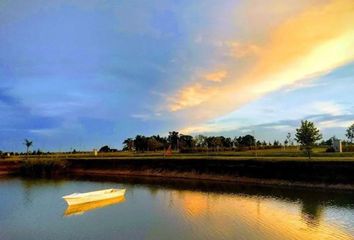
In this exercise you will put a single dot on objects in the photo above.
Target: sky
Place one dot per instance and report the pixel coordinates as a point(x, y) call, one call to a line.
point(81, 74)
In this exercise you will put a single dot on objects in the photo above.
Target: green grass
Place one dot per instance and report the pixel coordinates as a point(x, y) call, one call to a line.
point(288, 154)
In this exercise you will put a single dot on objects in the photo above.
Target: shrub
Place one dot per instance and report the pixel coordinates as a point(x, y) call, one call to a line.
point(330, 149)
point(348, 148)
point(43, 168)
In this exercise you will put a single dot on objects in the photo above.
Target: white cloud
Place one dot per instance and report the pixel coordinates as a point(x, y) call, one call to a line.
point(328, 107)
point(337, 123)
point(141, 116)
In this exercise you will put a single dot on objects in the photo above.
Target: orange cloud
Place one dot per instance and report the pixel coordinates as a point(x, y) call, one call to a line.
point(191, 96)
point(310, 44)
point(239, 50)
point(217, 76)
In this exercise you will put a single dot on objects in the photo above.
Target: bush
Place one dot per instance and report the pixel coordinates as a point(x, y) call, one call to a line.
point(330, 149)
point(43, 168)
point(348, 148)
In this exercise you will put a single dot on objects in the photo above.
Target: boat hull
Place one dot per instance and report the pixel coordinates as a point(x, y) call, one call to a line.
point(93, 196)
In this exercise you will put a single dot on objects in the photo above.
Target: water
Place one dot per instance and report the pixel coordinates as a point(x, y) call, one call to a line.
point(33, 209)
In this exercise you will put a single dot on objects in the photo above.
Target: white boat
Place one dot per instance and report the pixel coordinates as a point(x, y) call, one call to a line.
point(78, 198)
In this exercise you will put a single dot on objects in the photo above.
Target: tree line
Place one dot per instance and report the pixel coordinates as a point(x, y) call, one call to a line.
point(182, 142)
point(185, 143)
point(307, 135)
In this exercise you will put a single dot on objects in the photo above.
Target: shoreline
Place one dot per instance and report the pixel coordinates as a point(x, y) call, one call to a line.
point(114, 174)
point(331, 175)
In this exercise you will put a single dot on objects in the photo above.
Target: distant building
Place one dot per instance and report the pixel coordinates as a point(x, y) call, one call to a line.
point(337, 145)
point(95, 152)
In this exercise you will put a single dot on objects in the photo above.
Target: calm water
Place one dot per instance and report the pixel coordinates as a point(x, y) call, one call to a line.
point(33, 209)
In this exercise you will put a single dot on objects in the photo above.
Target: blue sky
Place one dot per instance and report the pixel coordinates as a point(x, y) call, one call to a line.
point(82, 74)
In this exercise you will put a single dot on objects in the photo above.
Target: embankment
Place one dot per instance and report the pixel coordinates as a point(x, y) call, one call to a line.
point(324, 174)
point(9, 167)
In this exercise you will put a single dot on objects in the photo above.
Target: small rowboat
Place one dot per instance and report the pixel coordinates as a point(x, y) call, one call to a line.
point(78, 198)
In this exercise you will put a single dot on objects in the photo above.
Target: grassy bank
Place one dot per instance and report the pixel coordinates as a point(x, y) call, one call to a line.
point(266, 168)
point(288, 154)
point(43, 168)
point(8, 167)
point(326, 172)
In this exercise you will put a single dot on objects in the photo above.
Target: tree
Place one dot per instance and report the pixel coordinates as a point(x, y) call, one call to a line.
point(186, 141)
point(162, 141)
point(218, 142)
point(327, 143)
point(227, 142)
point(350, 133)
point(28, 144)
point(247, 141)
point(173, 138)
point(39, 152)
point(236, 142)
point(288, 140)
point(214, 142)
point(307, 135)
point(105, 149)
point(153, 144)
point(140, 143)
point(334, 138)
point(201, 141)
point(128, 144)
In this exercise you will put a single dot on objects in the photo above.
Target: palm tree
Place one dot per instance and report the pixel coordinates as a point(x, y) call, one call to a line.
point(28, 144)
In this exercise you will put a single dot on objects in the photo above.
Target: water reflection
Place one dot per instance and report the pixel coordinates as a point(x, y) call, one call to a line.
point(306, 197)
point(233, 216)
point(157, 209)
point(312, 212)
point(79, 209)
point(30, 185)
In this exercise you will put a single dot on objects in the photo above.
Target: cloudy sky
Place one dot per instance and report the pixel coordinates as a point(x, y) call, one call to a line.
point(85, 73)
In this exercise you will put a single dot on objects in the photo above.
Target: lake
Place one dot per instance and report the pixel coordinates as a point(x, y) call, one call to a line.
point(154, 209)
